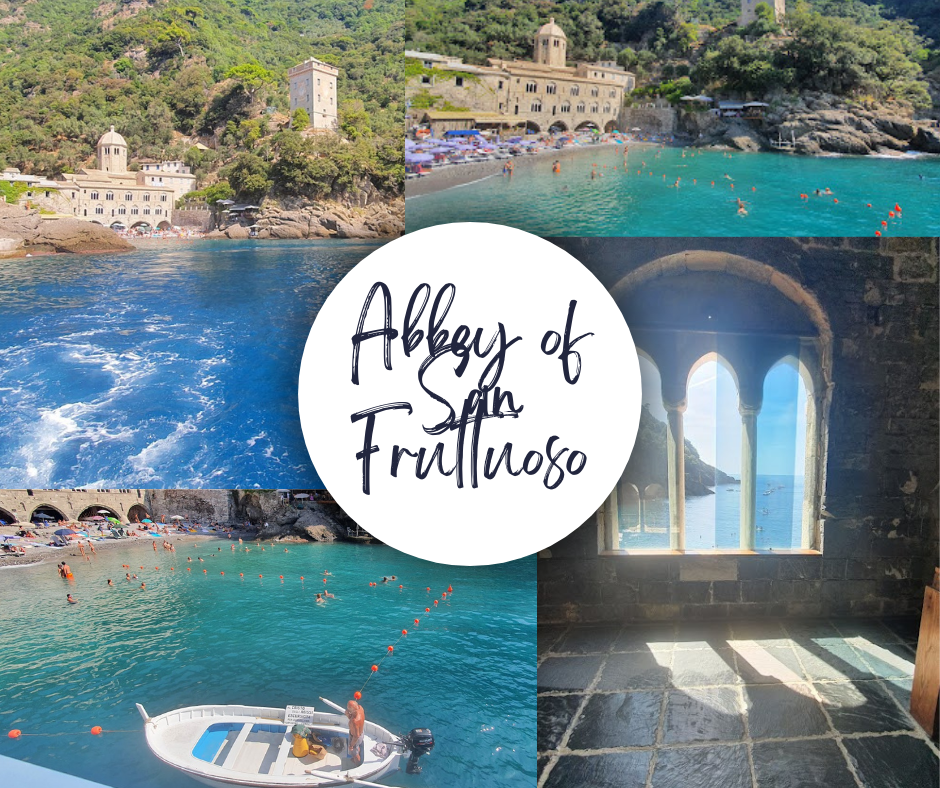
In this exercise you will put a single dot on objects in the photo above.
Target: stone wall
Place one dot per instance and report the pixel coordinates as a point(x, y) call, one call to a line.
point(655, 120)
point(197, 218)
point(880, 524)
point(71, 503)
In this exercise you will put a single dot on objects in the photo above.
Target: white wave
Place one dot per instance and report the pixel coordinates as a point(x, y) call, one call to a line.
point(146, 459)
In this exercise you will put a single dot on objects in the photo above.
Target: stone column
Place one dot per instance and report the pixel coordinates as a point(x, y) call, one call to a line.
point(611, 522)
point(675, 467)
point(748, 476)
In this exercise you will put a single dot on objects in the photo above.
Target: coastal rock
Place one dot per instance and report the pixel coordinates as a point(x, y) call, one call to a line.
point(10, 246)
point(215, 234)
point(26, 230)
point(926, 140)
point(236, 231)
point(841, 141)
point(319, 533)
point(77, 237)
point(349, 230)
point(743, 138)
point(286, 231)
point(895, 127)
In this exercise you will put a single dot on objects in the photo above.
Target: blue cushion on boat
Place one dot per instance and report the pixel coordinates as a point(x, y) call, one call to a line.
point(209, 743)
point(266, 727)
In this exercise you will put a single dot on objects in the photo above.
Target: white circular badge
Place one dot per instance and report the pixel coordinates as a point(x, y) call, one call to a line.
point(469, 394)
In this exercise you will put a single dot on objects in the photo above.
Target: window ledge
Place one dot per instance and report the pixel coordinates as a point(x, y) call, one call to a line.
point(709, 552)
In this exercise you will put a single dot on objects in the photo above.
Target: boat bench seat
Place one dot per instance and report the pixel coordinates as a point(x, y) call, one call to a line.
point(229, 762)
point(283, 751)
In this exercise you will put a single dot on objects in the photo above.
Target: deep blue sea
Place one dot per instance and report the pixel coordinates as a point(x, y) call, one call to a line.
point(714, 521)
point(467, 671)
point(174, 366)
point(625, 202)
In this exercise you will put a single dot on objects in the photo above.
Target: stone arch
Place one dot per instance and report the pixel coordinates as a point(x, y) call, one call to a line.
point(164, 225)
point(95, 509)
point(558, 126)
point(586, 125)
point(7, 516)
point(815, 354)
point(117, 223)
point(141, 223)
point(48, 509)
point(532, 126)
point(137, 512)
point(610, 126)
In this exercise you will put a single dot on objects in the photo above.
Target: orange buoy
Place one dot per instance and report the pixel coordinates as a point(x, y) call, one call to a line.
point(435, 603)
point(260, 575)
point(357, 695)
point(404, 631)
point(375, 668)
point(891, 214)
point(96, 731)
point(15, 733)
point(171, 568)
point(281, 576)
point(713, 183)
point(241, 574)
point(416, 621)
point(301, 577)
point(450, 589)
point(878, 233)
point(897, 208)
point(391, 649)
point(428, 588)
point(221, 573)
point(205, 572)
point(868, 205)
point(157, 568)
point(884, 223)
point(324, 579)
point(401, 586)
point(753, 188)
point(427, 610)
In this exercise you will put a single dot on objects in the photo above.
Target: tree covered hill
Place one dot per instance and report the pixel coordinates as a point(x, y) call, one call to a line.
point(216, 68)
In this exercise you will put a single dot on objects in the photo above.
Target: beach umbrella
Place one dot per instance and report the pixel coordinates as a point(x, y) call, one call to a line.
point(113, 520)
point(302, 495)
point(65, 532)
point(146, 520)
point(417, 158)
point(177, 517)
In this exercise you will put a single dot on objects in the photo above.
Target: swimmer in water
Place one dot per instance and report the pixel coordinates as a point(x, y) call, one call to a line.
point(828, 191)
point(127, 576)
point(70, 600)
point(328, 595)
point(143, 586)
point(110, 582)
point(189, 559)
point(319, 599)
point(742, 209)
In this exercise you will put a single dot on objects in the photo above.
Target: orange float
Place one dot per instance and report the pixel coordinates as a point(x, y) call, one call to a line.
point(15, 733)
point(96, 731)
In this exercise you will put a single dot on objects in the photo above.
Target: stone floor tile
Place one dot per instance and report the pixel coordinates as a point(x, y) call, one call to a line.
point(617, 720)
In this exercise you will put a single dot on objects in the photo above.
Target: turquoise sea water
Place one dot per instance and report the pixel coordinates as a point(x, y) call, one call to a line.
point(171, 366)
point(467, 671)
point(714, 521)
point(627, 204)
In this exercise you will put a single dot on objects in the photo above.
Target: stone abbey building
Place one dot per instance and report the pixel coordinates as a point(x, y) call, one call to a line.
point(111, 195)
point(544, 94)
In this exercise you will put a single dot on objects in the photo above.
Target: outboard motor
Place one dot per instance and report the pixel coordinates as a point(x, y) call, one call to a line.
point(420, 741)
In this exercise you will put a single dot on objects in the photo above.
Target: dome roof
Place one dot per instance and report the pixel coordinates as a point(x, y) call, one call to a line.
point(112, 138)
point(551, 29)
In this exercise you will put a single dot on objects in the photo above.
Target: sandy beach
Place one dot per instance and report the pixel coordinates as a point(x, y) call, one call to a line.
point(42, 552)
point(462, 174)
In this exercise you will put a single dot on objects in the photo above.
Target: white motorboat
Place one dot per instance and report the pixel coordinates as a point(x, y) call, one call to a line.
point(254, 746)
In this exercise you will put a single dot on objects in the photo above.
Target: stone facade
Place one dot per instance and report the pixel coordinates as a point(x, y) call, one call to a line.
point(312, 86)
point(748, 13)
point(111, 195)
point(539, 95)
point(21, 505)
point(877, 540)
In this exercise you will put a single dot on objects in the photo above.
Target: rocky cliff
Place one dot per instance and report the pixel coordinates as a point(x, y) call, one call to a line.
point(23, 231)
point(264, 512)
point(295, 220)
point(821, 123)
point(648, 462)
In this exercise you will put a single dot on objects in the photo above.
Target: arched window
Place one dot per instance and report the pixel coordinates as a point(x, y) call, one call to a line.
point(146, 197)
point(135, 210)
point(109, 195)
point(93, 196)
point(551, 88)
point(575, 90)
point(162, 198)
point(594, 92)
point(128, 197)
point(740, 360)
point(566, 107)
point(531, 87)
point(593, 109)
point(536, 106)
point(613, 94)
point(122, 210)
point(607, 109)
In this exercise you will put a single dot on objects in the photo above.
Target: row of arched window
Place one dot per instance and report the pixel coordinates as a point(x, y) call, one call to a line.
point(551, 89)
point(127, 196)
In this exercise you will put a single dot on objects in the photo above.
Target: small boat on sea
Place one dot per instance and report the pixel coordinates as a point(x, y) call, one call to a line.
point(261, 746)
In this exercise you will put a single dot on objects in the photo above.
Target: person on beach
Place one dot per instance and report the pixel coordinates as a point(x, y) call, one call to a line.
point(66, 570)
point(92, 546)
point(154, 545)
point(357, 720)
point(70, 600)
point(556, 167)
point(81, 549)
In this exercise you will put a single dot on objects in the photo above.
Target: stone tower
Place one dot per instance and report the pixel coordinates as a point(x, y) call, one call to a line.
point(112, 153)
point(551, 45)
point(748, 14)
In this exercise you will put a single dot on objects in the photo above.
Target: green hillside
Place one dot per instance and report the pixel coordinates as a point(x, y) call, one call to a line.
point(849, 47)
point(159, 68)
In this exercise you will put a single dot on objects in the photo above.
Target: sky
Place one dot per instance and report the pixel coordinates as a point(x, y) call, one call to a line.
point(713, 424)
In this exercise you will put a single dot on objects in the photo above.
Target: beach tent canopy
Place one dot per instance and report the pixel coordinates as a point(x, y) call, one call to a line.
point(462, 133)
point(146, 520)
point(177, 517)
point(730, 105)
point(302, 495)
point(417, 158)
point(701, 98)
point(42, 516)
point(66, 532)
point(756, 104)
